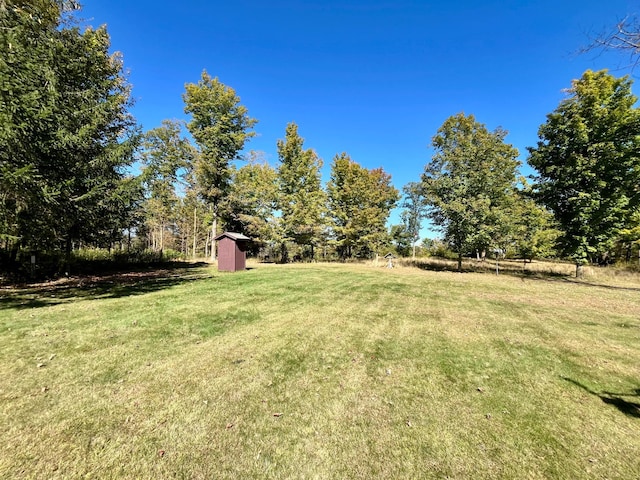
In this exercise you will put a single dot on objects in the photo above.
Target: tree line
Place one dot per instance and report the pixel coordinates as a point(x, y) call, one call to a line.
point(193, 192)
point(68, 145)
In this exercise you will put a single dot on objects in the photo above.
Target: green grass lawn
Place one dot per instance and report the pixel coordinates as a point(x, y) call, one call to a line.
point(321, 371)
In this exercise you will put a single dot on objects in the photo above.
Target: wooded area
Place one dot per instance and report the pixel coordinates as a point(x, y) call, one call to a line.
point(77, 172)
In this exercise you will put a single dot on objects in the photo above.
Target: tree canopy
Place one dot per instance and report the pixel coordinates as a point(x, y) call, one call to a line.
point(253, 200)
point(301, 199)
point(588, 163)
point(467, 183)
point(220, 126)
point(66, 135)
point(69, 177)
point(360, 201)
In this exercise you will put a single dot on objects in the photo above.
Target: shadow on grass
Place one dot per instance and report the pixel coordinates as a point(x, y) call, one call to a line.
point(136, 281)
point(511, 269)
point(629, 408)
point(601, 285)
point(488, 267)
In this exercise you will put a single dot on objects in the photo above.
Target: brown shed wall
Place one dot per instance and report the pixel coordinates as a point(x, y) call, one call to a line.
point(231, 255)
point(241, 255)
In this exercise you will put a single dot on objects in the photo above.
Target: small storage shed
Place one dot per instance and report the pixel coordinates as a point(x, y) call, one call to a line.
point(232, 251)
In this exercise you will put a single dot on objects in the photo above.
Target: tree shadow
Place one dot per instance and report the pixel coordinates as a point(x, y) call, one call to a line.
point(137, 281)
point(511, 269)
point(487, 267)
point(629, 408)
point(601, 285)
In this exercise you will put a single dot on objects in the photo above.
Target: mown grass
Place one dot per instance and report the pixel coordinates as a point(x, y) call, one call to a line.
point(322, 371)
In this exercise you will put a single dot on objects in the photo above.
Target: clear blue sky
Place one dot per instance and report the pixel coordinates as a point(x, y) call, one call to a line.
point(373, 78)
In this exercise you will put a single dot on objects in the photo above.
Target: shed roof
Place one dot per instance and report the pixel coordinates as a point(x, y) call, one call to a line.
point(233, 236)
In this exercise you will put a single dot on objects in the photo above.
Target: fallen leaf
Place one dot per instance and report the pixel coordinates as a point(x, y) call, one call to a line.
point(161, 453)
point(229, 425)
point(40, 365)
point(277, 414)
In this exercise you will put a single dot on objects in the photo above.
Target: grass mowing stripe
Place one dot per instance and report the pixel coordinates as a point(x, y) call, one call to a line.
point(322, 371)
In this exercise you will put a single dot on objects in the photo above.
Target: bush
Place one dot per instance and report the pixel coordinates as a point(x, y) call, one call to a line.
point(83, 261)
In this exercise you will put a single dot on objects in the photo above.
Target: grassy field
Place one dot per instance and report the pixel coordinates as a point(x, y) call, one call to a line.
point(321, 371)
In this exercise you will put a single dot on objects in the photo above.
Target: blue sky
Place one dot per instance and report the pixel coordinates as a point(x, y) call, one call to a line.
point(375, 79)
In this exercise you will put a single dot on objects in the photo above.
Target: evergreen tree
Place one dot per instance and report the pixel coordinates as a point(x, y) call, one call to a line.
point(66, 136)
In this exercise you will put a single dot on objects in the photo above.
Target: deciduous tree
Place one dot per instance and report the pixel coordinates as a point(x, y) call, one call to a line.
point(253, 200)
point(624, 38)
point(167, 157)
point(220, 126)
point(414, 212)
point(360, 201)
point(467, 183)
point(588, 164)
point(301, 199)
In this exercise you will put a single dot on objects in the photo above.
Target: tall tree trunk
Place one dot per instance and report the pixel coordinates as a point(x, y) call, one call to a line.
point(214, 229)
point(67, 255)
point(579, 270)
point(195, 230)
point(13, 255)
point(460, 262)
